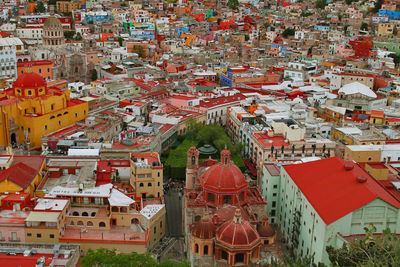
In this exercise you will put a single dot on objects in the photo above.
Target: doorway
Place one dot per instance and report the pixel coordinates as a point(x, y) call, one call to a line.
point(13, 138)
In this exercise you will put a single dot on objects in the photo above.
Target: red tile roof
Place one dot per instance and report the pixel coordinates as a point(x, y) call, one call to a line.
point(334, 191)
point(20, 174)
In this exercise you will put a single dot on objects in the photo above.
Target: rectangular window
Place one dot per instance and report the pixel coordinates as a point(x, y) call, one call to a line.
point(51, 235)
point(155, 229)
point(38, 235)
point(28, 234)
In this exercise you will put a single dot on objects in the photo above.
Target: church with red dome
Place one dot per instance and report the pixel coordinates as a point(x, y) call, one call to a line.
point(225, 221)
point(30, 109)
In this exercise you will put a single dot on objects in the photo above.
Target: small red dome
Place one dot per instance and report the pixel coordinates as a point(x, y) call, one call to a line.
point(30, 80)
point(224, 178)
point(204, 229)
point(237, 232)
point(265, 230)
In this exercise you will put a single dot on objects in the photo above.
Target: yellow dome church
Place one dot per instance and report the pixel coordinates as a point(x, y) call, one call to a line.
point(30, 110)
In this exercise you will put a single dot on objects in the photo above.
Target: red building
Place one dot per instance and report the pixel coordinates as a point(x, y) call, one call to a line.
point(224, 217)
point(362, 46)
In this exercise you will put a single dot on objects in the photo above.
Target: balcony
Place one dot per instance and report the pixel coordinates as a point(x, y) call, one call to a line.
point(10, 239)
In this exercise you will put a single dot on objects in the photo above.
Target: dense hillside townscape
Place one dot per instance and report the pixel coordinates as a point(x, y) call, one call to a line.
point(207, 133)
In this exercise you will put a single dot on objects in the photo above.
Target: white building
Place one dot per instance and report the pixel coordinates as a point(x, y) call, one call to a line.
point(32, 33)
point(8, 57)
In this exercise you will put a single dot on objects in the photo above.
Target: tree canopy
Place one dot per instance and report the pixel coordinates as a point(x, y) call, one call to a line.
point(199, 135)
point(233, 4)
point(109, 258)
point(364, 26)
point(368, 251)
point(288, 32)
point(40, 8)
point(320, 4)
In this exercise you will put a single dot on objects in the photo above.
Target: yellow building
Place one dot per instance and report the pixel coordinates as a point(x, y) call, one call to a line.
point(362, 153)
point(20, 173)
point(31, 110)
point(146, 174)
point(385, 29)
point(46, 223)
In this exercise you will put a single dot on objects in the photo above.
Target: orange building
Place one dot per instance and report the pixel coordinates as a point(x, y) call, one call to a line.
point(42, 67)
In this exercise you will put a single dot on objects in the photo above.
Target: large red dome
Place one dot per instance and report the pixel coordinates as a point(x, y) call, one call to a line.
point(224, 178)
point(29, 80)
point(237, 232)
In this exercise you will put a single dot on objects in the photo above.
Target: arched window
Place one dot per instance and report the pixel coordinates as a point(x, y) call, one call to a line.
point(71, 223)
point(93, 214)
point(205, 250)
point(211, 197)
point(224, 255)
point(239, 258)
point(149, 184)
point(227, 199)
point(75, 213)
point(102, 224)
point(196, 248)
point(141, 184)
point(135, 221)
point(85, 214)
point(89, 223)
point(80, 223)
point(197, 218)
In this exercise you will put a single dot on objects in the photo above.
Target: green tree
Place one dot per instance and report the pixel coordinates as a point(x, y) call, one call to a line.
point(288, 32)
point(396, 59)
point(120, 40)
point(295, 261)
point(93, 74)
point(40, 8)
point(233, 4)
point(78, 36)
point(320, 4)
point(378, 5)
point(105, 257)
point(69, 35)
point(364, 26)
point(368, 251)
point(193, 128)
point(345, 28)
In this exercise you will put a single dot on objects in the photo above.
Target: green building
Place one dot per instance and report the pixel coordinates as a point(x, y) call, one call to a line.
point(392, 45)
point(325, 203)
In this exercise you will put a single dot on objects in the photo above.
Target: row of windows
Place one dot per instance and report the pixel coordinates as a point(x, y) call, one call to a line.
point(39, 235)
point(148, 184)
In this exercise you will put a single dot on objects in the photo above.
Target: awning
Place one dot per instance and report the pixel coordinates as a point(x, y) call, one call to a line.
point(36, 216)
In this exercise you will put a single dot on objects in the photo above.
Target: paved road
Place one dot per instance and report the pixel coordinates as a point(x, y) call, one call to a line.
point(174, 213)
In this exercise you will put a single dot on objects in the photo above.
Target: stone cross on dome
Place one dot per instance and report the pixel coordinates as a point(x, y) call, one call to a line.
point(238, 216)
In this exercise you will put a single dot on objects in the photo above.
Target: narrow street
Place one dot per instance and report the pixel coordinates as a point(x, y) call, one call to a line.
point(174, 213)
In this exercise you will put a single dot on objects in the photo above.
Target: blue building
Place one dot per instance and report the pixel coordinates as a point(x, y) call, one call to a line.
point(390, 14)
